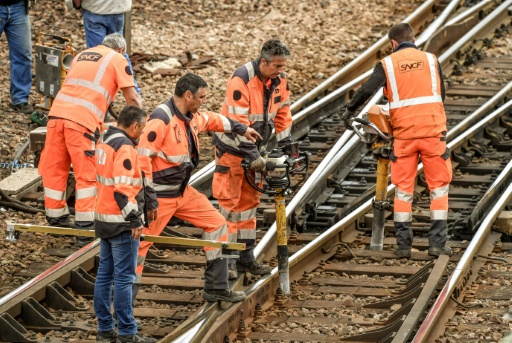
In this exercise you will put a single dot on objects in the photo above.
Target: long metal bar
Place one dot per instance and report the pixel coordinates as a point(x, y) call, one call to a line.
point(148, 238)
point(469, 12)
point(465, 262)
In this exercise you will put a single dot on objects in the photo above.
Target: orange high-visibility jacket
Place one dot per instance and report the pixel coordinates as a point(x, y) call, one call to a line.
point(262, 107)
point(120, 201)
point(169, 147)
point(413, 89)
point(90, 86)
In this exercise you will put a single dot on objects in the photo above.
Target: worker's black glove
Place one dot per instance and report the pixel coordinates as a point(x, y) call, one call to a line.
point(259, 165)
point(345, 118)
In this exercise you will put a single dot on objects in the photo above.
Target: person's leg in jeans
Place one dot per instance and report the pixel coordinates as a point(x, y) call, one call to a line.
point(15, 22)
point(103, 288)
point(94, 27)
point(124, 252)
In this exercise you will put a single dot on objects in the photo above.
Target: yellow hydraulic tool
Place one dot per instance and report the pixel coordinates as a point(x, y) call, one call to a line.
point(379, 134)
point(14, 230)
point(280, 165)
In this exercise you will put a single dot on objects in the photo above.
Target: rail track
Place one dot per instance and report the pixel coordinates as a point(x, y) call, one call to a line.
point(340, 290)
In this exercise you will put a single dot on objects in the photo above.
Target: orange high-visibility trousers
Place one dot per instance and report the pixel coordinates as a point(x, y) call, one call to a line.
point(195, 208)
point(68, 143)
point(238, 202)
point(437, 168)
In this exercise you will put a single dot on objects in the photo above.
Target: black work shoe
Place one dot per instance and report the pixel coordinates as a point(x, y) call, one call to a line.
point(403, 253)
point(228, 295)
point(135, 339)
point(232, 273)
point(253, 267)
point(22, 108)
point(440, 251)
point(106, 336)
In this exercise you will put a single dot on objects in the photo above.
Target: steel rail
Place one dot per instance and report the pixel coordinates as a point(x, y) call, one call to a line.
point(466, 14)
point(463, 266)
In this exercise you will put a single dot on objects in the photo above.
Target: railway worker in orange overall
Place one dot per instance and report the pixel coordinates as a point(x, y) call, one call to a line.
point(413, 85)
point(118, 223)
point(257, 95)
point(74, 125)
point(169, 152)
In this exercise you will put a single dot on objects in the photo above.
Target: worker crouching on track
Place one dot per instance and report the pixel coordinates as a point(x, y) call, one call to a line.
point(74, 125)
point(118, 223)
point(257, 95)
point(413, 84)
point(169, 151)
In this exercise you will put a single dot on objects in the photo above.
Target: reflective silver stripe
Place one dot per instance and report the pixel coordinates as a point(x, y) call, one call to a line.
point(404, 196)
point(285, 103)
point(103, 67)
point(174, 159)
point(227, 140)
point(250, 69)
point(213, 254)
point(138, 278)
point(391, 78)
point(402, 217)
point(114, 136)
point(91, 85)
point(57, 212)
point(217, 234)
point(145, 152)
point(111, 181)
point(416, 101)
point(238, 110)
point(232, 237)
point(439, 192)
point(109, 218)
point(160, 188)
point(83, 193)
point(433, 73)
point(283, 134)
point(141, 260)
point(247, 214)
point(166, 109)
point(255, 117)
point(229, 216)
point(272, 115)
point(226, 124)
point(247, 234)
point(148, 182)
point(84, 216)
point(128, 208)
point(81, 102)
point(439, 214)
point(53, 194)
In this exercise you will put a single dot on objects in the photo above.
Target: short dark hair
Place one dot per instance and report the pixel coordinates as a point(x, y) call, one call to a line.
point(273, 48)
point(402, 32)
point(189, 82)
point(130, 115)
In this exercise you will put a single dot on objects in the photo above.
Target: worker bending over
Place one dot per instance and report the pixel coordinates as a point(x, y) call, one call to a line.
point(413, 85)
point(257, 95)
point(169, 151)
point(74, 125)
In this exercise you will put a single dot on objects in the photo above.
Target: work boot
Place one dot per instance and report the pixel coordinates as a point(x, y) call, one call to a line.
point(228, 295)
point(81, 241)
point(232, 273)
point(106, 336)
point(253, 267)
point(403, 253)
point(135, 339)
point(440, 251)
point(24, 108)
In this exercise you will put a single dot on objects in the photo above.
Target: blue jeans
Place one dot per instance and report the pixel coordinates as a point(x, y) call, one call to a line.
point(15, 22)
point(118, 258)
point(97, 26)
